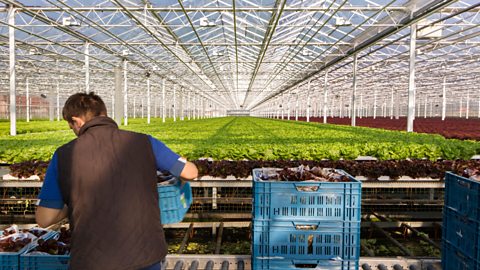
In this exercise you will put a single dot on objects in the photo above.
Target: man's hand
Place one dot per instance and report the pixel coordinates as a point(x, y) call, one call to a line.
point(49, 216)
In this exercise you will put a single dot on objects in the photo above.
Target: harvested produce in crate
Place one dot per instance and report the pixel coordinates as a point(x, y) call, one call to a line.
point(36, 231)
point(13, 239)
point(304, 173)
point(60, 246)
point(12, 244)
point(473, 174)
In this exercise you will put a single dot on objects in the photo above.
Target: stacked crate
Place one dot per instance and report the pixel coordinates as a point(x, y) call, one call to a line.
point(461, 223)
point(307, 225)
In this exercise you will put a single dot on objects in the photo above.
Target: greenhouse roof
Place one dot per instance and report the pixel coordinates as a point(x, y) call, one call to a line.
point(245, 54)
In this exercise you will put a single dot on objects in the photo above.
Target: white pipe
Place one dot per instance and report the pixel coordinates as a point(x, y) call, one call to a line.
point(325, 92)
point(11, 51)
point(468, 105)
point(444, 98)
point(411, 79)
point(425, 108)
point(148, 101)
point(58, 101)
point(27, 100)
point(163, 100)
point(134, 106)
point(87, 67)
point(125, 94)
point(174, 106)
point(308, 102)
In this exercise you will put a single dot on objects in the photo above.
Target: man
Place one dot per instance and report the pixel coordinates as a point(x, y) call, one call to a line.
point(105, 182)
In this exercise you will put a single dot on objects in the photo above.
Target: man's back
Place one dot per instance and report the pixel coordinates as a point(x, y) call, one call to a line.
point(108, 180)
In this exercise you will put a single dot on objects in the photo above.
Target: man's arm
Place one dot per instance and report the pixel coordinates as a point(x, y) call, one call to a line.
point(51, 207)
point(49, 216)
point(190, 171)
point(168, 160)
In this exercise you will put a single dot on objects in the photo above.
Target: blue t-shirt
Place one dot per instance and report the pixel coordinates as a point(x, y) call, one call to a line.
point(51, 197)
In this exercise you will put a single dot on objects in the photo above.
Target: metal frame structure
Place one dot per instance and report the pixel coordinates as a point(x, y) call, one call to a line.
point(251, 55)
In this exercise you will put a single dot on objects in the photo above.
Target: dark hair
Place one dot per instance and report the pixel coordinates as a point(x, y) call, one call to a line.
point(83, 104)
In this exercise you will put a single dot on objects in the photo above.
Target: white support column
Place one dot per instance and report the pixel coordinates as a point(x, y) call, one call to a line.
point(163, 100)
point(391, 105)
point(411, 79)
point(142, 106)
point(361, 108)
point(174, 106)
point(460, 108)
point(425, 108)
point(148, 101)
point(51, 103)
point(182, 113)
point(444, 98)
point(117, 99)
point(354, 90)
point(155, 106)
point(325, 92)
point(277, 110)
point(27, 100)
point(125, 94)
point(87, 67)
point(296, 106)
point(189, 109)
point(375, 103)
point(194, 107)
point(308, 101)
point(349, 111)
point(58, 101)
point(397, 105)
point(431, 109)
point(112, 113)
point(341, 107)
point(134, 106)
point(282, 109)
point(11, 51)
point(468, 105)
point(289, 107)
point(479, 107)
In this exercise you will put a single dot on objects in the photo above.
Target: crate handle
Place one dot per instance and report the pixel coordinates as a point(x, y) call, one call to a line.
point(306, 265)
point(307, 188)
point(464, 183)
point(306, 227)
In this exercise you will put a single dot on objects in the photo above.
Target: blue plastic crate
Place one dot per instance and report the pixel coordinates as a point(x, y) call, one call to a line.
point(44, 262)
point(454, 259)
point(462, 233)
point(264, 264)
point(320, 240)
point(174, 199)
point(30, 261)
point(283, 200)
point(462, 195)
point(11, 260)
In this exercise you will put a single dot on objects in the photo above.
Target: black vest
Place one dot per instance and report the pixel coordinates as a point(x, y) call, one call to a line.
point(107, 178)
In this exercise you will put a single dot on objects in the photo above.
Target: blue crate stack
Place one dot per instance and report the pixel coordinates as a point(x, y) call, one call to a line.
point(306, 225)
point(461, 223)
